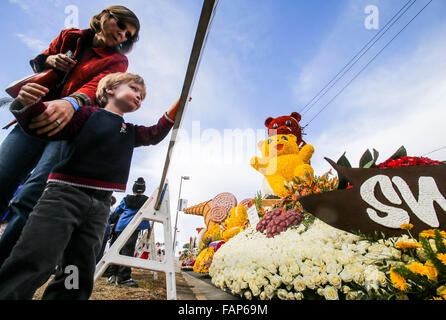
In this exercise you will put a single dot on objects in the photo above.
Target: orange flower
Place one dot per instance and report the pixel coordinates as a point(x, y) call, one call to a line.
point(398, 280)
point(431, 271)
point(442, 258)
point(431, 233)
point(406, 226)
point(404, 245)
point(417, 267)
point(441, 291)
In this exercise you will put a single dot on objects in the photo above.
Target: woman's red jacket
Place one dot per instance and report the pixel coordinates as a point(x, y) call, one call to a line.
point(95, 64)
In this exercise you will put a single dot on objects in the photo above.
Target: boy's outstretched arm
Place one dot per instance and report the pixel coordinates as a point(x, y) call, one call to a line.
point(154, 134)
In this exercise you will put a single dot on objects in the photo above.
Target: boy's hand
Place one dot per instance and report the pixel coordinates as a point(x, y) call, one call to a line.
point(173, 110)
point(31, 92)
point(56, 116)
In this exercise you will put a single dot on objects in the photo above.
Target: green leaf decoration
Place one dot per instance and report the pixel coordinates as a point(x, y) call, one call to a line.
point(343, 161)
point(365, 159)
point(369, 164)
point(401, 152)
point(375, 155)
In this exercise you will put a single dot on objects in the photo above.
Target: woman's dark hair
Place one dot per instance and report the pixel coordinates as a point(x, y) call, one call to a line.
point(125, 15)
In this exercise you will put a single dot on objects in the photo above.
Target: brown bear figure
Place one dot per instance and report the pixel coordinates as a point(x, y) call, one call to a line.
point(286, 125)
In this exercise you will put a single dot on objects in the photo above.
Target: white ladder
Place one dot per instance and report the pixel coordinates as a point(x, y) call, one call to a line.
point(147, 212)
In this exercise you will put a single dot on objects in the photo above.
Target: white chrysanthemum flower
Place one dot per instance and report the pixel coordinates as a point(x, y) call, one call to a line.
point(299, 284)
point(320, 258)
point(282, 294)
point(331, 293)
point(248, 295)
point(298, 296)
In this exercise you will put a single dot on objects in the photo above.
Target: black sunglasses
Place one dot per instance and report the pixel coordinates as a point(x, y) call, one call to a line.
point(121, 25)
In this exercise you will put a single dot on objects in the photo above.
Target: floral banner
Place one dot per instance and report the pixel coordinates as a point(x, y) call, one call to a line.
point(383, 199)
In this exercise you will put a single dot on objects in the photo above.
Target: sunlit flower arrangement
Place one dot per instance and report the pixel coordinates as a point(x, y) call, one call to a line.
point(315, 262)
point(312, 260)
point(204, 260)
point(423, 276)
point(187, 258)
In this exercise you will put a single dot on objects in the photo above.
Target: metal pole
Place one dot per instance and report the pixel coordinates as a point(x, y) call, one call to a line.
point(176, 218)
point(207, 14)
point(178, 205)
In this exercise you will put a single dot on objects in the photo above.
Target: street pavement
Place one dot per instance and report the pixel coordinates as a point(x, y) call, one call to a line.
point(193, 286)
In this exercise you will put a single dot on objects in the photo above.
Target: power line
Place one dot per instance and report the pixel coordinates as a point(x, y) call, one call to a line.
point(380, 34)
point(354, 78)
point(434, 151)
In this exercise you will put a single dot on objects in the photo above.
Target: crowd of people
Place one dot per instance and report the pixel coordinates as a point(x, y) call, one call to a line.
point(68, 151)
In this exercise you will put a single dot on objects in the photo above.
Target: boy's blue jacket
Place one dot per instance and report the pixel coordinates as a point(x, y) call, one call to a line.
point(127, 209)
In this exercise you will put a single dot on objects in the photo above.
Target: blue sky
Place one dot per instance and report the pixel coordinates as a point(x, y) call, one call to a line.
point(262, 58)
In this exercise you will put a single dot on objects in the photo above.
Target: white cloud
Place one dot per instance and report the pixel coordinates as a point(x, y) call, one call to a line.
point(36, 45)
point(22, 4)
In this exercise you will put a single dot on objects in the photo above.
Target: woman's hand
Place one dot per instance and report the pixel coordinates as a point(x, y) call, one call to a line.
point(56, 116)
point(31, 92)
point(60, 62)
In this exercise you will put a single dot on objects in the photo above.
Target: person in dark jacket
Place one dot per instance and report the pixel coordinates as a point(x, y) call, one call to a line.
point(107, 232)
point(126, 210)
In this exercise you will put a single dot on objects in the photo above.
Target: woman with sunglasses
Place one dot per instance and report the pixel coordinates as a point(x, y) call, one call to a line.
point(98, 51)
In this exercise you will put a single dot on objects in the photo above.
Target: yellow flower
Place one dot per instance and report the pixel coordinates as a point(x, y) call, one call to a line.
point(417, 267)
point(442, 258)
point(406, 226)
point(431, 271)
point(441, 291)
point(431, 233)
point(437, 298)
point(398, 280)
point(404, 245)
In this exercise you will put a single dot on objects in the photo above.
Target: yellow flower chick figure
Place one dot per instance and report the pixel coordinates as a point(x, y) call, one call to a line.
point(282, 160)
point(234, 222)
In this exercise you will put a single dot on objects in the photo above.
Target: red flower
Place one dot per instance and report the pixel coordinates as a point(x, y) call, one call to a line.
point(219, 245)
point(407, 162)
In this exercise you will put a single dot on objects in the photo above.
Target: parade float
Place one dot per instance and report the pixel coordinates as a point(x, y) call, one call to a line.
point(371, 232)
point(223, 219)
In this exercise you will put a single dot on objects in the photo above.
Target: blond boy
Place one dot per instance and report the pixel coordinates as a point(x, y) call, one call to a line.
point(70, 218)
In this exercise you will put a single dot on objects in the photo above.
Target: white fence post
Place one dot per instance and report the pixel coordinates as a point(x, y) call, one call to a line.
point(167, 265)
